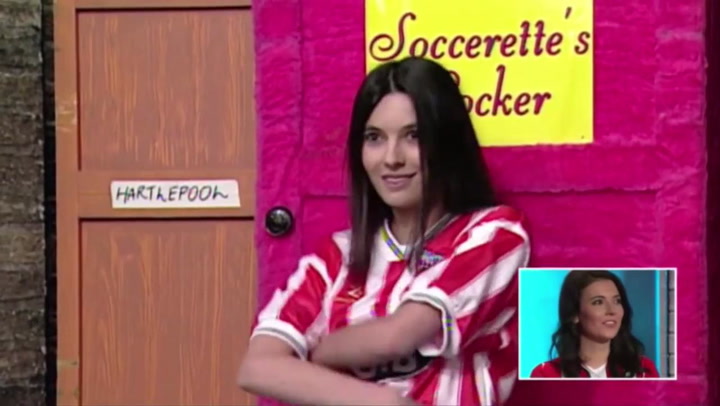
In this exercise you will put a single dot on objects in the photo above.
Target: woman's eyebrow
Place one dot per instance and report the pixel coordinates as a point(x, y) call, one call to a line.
point(603, 297)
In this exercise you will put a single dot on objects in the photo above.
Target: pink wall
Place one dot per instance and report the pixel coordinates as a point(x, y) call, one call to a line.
point(636, 197)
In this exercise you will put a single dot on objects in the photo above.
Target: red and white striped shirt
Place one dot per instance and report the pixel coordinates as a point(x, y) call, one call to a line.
point(470, 274)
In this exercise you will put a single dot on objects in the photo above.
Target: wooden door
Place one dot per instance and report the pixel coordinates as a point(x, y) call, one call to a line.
point(154, 303)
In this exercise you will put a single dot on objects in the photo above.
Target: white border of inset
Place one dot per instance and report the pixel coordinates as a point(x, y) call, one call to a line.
point(672, 270)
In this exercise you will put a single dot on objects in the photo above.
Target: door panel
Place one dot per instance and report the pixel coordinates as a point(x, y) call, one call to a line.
point(156, 304)
point(165, 311)
point(163, 89)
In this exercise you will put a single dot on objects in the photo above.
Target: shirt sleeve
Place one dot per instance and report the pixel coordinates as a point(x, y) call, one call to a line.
point(546, 370)
point(475, 289)
point(542, 371)
point(295, 313)
point(650, 370)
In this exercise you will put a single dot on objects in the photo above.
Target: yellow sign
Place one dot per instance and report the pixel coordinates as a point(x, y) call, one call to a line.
point(525, 67)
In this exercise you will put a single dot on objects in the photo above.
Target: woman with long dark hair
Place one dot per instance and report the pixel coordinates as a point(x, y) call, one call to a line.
point(594, 338)
point(416, 303)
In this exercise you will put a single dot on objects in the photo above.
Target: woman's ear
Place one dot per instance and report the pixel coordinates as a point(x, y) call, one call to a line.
point(576, 320)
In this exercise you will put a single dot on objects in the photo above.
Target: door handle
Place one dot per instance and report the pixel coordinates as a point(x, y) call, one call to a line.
point(278, 221)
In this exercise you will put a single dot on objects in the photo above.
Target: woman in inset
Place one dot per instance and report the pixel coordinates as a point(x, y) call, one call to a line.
point(594, 339)
point(416, 303)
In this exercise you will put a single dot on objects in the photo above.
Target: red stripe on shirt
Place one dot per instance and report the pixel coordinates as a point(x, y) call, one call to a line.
point(308, 296)
point(392, 276)
point(426, 384)
point(468, 390)
point(503, 213)
point(491, 308)
point(464, 268)
point(343, 301)
point(504, 362)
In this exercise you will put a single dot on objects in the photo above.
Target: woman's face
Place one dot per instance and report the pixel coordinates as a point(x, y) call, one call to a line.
point(601, 311)
point(391, 152)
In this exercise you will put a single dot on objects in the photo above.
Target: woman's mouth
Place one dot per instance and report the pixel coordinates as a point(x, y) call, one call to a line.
point(610, 323)
point(397, 182)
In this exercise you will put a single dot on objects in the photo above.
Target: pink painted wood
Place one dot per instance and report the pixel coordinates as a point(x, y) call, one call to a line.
point(635, 197)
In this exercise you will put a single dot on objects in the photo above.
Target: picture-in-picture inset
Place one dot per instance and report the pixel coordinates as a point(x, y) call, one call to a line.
point(597, 323)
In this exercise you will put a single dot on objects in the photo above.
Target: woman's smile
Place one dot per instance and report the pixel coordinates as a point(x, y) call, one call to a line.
point(396, 182)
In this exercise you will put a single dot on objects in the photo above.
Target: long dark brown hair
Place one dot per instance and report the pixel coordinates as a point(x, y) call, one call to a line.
point(453, 171)
point(625, 348)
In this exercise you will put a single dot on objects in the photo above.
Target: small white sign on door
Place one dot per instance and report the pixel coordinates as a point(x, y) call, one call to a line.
point(169, 194)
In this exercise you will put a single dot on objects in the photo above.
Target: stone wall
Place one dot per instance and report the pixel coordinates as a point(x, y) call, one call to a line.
point(22, 200)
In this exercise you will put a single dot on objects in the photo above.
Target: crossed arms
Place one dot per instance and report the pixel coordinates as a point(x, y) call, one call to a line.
point(467, 295)
point(272, 369)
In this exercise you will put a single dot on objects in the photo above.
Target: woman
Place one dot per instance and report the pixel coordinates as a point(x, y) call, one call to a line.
point(595, 338)
point(416, 303)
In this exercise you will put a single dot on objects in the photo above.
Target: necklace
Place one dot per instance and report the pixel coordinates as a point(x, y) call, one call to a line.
point(427, 258)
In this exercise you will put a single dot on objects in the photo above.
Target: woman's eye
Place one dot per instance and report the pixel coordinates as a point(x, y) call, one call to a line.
point(371, 137)
point(597, 302)
point(412, 134)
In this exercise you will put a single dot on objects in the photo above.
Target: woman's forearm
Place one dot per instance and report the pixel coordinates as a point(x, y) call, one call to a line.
point(380, 340)
point(292, 380)
point(361, 345)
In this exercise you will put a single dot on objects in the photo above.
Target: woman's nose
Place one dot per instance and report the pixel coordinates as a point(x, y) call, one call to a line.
point(611, 308)
point(393, 155)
